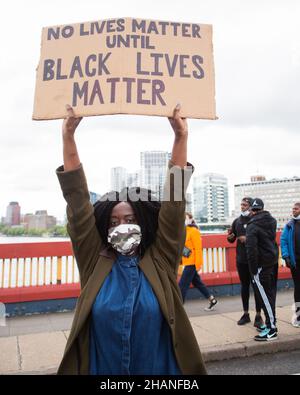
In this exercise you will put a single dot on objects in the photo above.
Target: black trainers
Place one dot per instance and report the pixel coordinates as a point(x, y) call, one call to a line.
point(267, 335)
point(211, 305)
point(258, 322)
point(245, 319)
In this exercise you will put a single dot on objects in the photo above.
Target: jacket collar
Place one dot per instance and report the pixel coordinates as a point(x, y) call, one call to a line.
point(108, 252)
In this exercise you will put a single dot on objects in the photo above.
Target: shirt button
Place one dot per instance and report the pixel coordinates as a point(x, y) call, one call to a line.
point(171, 321)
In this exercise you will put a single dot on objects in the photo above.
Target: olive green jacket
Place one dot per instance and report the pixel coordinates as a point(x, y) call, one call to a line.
point(159, 264)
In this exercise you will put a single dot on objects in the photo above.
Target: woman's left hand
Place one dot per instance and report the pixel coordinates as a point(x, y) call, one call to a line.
point(178, 124)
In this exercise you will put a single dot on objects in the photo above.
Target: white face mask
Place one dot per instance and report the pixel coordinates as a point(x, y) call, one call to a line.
point(188, 221)
point(245, 213)
point(125, 238)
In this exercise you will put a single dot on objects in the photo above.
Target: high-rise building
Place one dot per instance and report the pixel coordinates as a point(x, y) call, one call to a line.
point(153, 171)
point(13, 214)
point(210, 198)
point(118, 178)
point(189, 203)
point(94, 197)
point(279, 195)
point(40, 220)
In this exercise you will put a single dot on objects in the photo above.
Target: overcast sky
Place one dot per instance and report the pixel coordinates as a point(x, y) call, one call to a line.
point(257, 67)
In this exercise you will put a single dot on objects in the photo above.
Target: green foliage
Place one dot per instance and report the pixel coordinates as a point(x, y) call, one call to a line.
point(57, 231)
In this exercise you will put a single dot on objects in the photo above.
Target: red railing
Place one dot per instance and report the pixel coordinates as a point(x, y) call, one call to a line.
point(44, 271)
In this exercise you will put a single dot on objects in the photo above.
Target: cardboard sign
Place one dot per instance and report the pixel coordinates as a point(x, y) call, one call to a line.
point(126, 66)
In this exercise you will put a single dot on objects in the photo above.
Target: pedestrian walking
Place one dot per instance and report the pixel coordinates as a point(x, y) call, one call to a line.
point(129, 317)
point(290, 251)
point(262, 255)
point(237, 232)
point(192, 261)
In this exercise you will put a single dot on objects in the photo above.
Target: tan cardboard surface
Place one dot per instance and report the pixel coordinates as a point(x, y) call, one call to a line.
point(128, 66)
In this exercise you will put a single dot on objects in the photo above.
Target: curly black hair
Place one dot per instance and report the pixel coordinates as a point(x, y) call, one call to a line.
point(144, 204)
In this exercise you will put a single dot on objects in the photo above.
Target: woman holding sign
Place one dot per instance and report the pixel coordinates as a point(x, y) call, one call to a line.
point(129, 318)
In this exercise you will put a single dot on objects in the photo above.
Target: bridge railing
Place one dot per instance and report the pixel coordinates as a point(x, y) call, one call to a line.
point(37, 271)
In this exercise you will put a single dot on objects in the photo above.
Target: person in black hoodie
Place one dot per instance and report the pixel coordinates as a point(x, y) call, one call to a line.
point(262, 255)
point(238, 232)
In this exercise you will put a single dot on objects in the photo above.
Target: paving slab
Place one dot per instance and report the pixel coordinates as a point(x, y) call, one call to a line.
point(224, 329)
point(204, 337)
point(285, 313)
point(41, 351)
point(19, 331)
point(9, 360)
point(4, 331)
point(285, 329)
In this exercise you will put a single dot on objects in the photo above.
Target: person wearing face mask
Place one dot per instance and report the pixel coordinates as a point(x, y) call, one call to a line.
point(262, 255)
point(192, 260)
point(129, 318)
point(290, 251)
point(237, 232)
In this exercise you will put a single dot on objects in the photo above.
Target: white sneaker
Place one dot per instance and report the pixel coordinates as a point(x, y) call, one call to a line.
point(296, 323)
point(211, 305)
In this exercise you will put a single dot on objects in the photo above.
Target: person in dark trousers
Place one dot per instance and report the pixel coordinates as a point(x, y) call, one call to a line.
point(237, 232)
point(290, 251)
point(262, 255)
point(192, 260)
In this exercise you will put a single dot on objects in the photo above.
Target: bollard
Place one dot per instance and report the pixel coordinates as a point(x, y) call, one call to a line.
point(2, 314)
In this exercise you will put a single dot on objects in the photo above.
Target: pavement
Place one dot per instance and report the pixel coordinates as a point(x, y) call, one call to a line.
point(35, 344)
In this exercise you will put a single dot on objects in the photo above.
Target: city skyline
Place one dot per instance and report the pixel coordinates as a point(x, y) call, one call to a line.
point(278, 195)
point(252, 188)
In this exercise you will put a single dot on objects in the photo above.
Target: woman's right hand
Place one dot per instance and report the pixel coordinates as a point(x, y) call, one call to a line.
point(70, 123)
point(71, 157)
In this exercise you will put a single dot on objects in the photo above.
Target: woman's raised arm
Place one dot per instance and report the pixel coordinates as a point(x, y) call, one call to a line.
point(70, 153)
point(180, 127)
point(170, 236)
point(81, 226)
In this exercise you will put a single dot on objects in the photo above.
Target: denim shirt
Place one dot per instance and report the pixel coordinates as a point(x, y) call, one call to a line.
point(129, 335)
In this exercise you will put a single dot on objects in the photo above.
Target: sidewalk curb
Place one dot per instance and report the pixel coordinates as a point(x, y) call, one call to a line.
point(215, 353)
point(249, 349)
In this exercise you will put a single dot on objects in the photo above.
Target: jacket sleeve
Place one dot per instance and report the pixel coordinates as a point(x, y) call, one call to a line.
point(197, 244)
point(252, 249)
point(81, 226)
point(170, 236)
point(284, 243)
point(233, 228)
